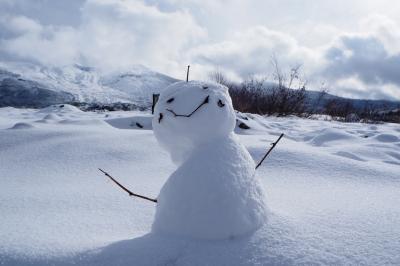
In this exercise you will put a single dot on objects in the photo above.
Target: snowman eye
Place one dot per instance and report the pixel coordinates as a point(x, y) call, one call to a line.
point(220, 103)
point(170, 100)
point(205, 87)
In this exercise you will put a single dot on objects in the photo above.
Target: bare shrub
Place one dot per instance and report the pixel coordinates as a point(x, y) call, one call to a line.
point(286, 95)
point(339, 108)
point(218, 77)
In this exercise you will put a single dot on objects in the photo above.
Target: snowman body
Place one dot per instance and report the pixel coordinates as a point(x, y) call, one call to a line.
point(214, 193)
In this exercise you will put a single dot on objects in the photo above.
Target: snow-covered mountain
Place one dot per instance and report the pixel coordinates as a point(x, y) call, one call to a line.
point(30, 85)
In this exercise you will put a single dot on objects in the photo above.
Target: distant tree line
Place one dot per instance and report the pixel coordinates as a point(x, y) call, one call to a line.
point(101, 107)
point(345, 110)
point(286, 94)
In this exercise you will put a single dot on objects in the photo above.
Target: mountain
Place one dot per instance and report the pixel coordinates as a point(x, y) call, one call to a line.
point(317, 99)
point(30, 85)
point(18, 92)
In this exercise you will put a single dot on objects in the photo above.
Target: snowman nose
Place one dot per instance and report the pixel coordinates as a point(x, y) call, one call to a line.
point(160, 117)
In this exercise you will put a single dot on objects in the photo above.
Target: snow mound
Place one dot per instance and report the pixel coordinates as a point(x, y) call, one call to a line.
point(84, 122)
point(60, 109)
point(395, 155)
point(249, 124)
point(49, 118)
point(133, 122)
point(328, 135)
point(22, 126)
point(387, 138)
point(349, 155)
point(214, 193)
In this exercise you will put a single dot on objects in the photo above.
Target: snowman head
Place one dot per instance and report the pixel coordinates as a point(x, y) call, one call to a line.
point(190, 114)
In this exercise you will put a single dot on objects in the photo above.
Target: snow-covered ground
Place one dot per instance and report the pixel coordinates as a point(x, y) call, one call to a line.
point(333, 190)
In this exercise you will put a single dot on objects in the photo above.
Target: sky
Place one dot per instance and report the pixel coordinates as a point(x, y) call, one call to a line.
point(351, 48)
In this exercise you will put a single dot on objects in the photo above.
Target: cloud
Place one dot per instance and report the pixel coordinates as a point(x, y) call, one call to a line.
point(357, 55)
point(355, 65)
point(366, 64)
point(384, 29)
point(112, 34)
point(249, 52)
point(19, 25)
point(365, 58)
point(129, 32)
point(46, 12)
point(354, 88)
point(29, 40)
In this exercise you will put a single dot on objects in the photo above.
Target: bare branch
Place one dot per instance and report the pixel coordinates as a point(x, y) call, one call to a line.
point(187, 73)
point(127, 190)
point(270, 149)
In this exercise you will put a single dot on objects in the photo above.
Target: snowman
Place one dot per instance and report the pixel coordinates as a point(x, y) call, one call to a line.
point(214, 192)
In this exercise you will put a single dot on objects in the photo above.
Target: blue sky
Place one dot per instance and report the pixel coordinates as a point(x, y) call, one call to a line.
point(353, 47)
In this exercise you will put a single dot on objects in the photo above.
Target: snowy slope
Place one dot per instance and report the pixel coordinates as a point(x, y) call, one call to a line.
point(86, 84)
point(15, 91)
point(332, 188)
point(139, 83)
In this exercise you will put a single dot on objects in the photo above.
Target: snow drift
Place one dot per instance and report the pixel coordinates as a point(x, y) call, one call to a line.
point(334, 204)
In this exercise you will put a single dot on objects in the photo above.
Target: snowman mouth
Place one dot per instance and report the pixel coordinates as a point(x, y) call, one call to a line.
point(205, 101)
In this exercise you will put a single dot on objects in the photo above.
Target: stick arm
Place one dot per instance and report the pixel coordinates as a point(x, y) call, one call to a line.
point(125, 189)
point(270, 149)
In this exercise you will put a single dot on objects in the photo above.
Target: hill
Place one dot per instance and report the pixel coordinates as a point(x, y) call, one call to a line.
point(30, 85)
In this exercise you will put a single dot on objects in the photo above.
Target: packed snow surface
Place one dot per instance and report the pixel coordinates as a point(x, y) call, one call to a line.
point(214, 193)
point(332, 190)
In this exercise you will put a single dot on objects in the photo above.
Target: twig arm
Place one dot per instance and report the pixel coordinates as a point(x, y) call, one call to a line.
point(270, 149)
point(125, 189)
point(187, 73)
